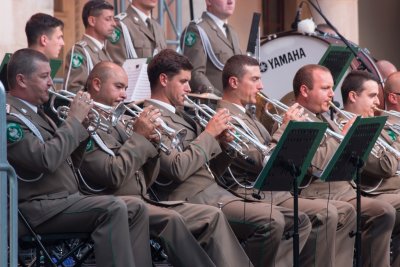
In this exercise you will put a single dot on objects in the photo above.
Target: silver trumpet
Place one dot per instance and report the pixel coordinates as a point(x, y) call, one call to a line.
point(176, 137)
point(380, 141)
point(241, 137)
point(96, 114)
point(282, 107)
point(395, 127)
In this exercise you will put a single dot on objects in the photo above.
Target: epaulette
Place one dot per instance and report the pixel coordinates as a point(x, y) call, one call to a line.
point(121, 16)
point(8, 108)
point(197, 21)
point(82, 43)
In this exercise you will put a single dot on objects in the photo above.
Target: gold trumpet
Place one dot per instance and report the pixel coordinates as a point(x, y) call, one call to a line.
point(96, 114)
point(176, 137)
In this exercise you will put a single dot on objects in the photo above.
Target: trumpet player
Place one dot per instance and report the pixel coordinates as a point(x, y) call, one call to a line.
point(360, 97)
point(313, 89)
point(48, 189)
point(125, 165)
point(186, 172)
point(392, 92)
point(241, 80)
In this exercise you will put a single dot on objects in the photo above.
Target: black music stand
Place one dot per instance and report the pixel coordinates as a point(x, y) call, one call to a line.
point(349, 159)
point(288, 164)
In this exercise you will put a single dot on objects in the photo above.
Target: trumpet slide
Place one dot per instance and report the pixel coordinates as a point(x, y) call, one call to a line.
point(176, 137)
point(99, 111)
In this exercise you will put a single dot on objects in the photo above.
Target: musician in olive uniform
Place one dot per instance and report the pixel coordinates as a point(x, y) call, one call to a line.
point(44, 33)
point(209, 43)
point(312, 86)
point(137, 35)
point(242, 81)
point(98, 19)
point(186, 175)
point(127, 165)
point(392, 92)
point(48, 189)
point(360, 96)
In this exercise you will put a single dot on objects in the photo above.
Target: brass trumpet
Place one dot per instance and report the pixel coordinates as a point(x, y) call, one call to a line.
point(176, 137)
point(98, 112)
point(241, 137)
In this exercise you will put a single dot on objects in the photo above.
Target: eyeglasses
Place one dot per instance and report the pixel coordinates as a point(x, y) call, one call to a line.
point(394, 93)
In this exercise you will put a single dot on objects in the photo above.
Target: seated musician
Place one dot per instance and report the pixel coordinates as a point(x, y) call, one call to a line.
point(392, 93)
point(186, 172)
point(360, 97)
point(48, 190)
point(312, 86)
point(126, 164)
point(241, 79)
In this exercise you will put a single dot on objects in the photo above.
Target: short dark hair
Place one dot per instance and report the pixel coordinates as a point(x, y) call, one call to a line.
point(354, 81)
point(23, 61)
point(235, 67)
point(304, 76)
point(41, 24)
point(168, 62)
point(94, 8)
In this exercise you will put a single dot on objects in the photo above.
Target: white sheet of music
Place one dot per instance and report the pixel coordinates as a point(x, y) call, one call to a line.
point(138, 81)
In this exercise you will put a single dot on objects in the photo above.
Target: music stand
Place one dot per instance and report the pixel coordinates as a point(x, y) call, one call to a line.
point(288, 164)
point(350, 157)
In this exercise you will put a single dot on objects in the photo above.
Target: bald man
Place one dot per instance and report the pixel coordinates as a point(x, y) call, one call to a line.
point(386, 68)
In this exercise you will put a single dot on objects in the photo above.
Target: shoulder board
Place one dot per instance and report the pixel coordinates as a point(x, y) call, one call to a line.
point(121, 16)
point(82, 43)
point(197, 21)
point(8, 108)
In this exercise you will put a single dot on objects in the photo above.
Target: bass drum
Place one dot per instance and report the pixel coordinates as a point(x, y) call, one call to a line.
point(283, 54)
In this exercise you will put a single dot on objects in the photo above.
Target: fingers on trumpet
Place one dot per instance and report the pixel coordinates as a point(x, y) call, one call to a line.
point(147, 122)
point(219, 123)
point(296, 113)
point(80, 106)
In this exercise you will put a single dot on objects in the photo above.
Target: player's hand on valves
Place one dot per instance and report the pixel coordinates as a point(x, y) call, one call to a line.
point(347, 125)
point(218, 123)
point(80, 106)
point(147, 122)
point(294, 113)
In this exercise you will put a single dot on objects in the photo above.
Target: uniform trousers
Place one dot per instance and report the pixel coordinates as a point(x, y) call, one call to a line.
point(186, 229)
point(119, 227)
point(394, 200)
point(262, 228)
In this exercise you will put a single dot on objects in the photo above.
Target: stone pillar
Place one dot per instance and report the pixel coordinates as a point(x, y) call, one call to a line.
point(343, 14)
point(14, 17)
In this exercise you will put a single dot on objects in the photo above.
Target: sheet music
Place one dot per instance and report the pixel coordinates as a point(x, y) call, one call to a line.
point(138, 81)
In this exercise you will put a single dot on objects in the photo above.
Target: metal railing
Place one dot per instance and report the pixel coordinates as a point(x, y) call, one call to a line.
point(8, 201)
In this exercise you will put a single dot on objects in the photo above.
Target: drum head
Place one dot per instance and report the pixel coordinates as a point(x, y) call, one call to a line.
point(283, 55)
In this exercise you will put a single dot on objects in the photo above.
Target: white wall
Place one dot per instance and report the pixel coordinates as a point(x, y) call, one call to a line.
point(13, 18)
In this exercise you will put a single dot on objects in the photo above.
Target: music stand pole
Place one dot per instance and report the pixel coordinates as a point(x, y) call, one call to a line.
point(296, 249)
point(358, 163)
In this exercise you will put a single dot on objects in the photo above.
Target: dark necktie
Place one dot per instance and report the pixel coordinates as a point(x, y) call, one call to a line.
point(150, 25)
point(228, 32)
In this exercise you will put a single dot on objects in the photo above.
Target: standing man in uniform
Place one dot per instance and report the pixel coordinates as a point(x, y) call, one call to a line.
point(261, 228)
point(98, 19)
point(332, 222)
point(138, 35)
point(360, 91)
point(47, 188)
point(312, 87)
point(209, 43)
point(45, 34)
point(130, 164)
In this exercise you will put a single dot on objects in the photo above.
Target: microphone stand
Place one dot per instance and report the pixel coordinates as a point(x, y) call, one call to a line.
point(345, 41)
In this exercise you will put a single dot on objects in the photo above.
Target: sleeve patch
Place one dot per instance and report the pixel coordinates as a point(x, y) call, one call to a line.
point(14, 132)
point(77, 60)
point(115, 36)
point(89, 145)
point(190, 39)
